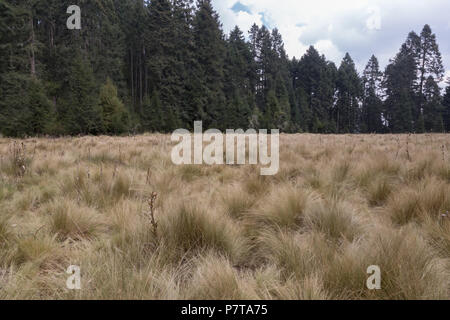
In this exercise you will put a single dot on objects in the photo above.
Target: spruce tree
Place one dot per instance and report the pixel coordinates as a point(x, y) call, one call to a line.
point(183, 53)
point(283, 85)
point(272, 111)
point(160, 40)
point(79, 109)
point(430, 59)
point(428, 63)
point(265, 67)
point(315, 84)
point(106, 42)
point(42, 112)
point(207, 97)
point(170, 64)
point(349, 91)
point(446, 109)
point(24, 107)
point(115, 116)
point(153, 115)
point(399, 83)
point(238, 85)
point(14, 114)
point(372, 103)
point(432, 107)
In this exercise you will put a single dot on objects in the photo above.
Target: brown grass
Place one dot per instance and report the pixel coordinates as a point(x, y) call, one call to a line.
point(338, 205)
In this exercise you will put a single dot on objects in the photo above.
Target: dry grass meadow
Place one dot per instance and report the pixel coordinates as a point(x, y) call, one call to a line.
point(338, 205)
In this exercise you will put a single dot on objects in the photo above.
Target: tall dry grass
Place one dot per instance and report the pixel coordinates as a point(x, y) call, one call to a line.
point(338, 205)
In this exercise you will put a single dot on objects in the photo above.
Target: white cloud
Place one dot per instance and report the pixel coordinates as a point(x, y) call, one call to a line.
point(328, 48)
point(374, 20)
point(245, 20)
point(230, 19)
point(360, 27)
point(296, 19)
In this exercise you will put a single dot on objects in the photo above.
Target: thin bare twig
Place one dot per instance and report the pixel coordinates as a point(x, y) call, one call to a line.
point(150, 214)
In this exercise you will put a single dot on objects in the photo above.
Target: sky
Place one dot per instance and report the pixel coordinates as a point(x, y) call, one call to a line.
point(334, 27)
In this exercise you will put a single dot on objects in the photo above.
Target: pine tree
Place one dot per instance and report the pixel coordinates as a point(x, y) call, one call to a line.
point(283, 85)
point(161, 43)
point(265, 68)
point(170, 64)
point(303, 114)
point(432, 108)
point(349, 91)
point(14, 115)
point(430, 59)
point(43, 120)
point(238, 86)
point(272, 111)
point(13, 38)
point(153, 115)
point(372, 103)
point(106, 39)
point(399, 84)
point(314, 83)
point(24, 107)
point(446, 109)
point(428, 63)
point(79, 109)
point(183, 51)
point(207, 98)
point(115, 116)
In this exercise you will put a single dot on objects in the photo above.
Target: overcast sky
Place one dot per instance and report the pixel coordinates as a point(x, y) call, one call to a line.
point(334, 27)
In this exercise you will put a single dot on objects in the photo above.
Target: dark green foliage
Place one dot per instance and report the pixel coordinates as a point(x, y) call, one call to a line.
point(153, 115)
point(163, 64)
point(167, 40)
point(429, 59)
point(446, 109)
point(115, 116)
point(432, 107)
point(207, 93)
point(400, 77)
point(314, 81)
point(79, 109)
point(349, 92)
point(14, 32)
point(24, 108)
point(372, 112)
point(238, 85)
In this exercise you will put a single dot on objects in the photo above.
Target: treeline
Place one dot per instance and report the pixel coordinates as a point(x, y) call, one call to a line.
point(159, 65)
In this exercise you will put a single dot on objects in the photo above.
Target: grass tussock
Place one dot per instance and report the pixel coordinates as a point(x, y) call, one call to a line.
point(338, 205)
point(283, 209)
point(429, 198)
point(237, 202)
point(215, 279)
point(70, 221)
point(338, 221)
point(410, 268)
point(379, 191)
point(190, 229)
point(5, 232)
point(42, 252)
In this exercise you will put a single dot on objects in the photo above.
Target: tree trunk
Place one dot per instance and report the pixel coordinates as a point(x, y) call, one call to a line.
point(422, 80)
